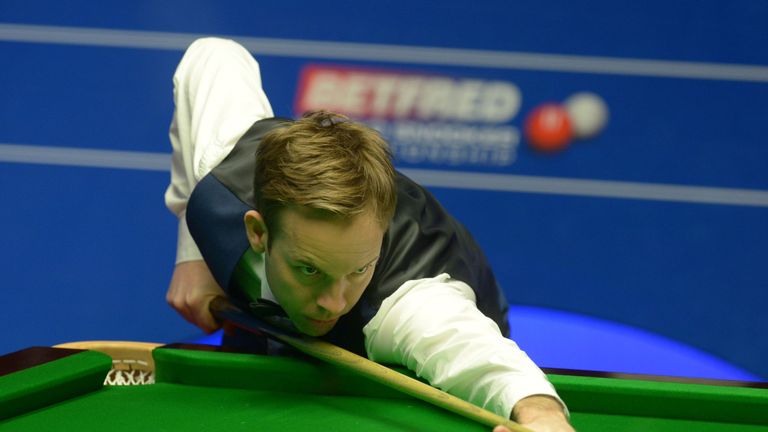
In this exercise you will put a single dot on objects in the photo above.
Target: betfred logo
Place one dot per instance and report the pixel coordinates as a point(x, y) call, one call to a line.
point(427, 119)
point(379, 94)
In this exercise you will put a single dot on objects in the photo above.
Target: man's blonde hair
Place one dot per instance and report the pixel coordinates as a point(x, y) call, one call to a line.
point(328, 164)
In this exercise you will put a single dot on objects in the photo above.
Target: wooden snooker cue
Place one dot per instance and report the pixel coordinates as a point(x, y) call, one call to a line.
point(329, 353)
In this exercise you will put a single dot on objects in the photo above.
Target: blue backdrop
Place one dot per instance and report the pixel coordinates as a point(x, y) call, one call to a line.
point(659, 223)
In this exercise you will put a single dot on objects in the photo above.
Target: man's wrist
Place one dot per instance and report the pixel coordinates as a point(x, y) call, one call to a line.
point(186, 248)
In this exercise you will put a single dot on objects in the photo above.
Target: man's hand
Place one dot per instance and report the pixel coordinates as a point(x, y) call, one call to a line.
point(539, 414)
point(191, 291)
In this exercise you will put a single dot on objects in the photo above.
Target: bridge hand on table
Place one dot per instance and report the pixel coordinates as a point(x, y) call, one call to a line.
point(539, 414)
point(542, 425)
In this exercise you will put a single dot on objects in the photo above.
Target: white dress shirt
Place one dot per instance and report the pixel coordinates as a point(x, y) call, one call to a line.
point(432, 326)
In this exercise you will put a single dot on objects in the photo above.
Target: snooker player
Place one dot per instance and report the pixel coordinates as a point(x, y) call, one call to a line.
point(311, 215)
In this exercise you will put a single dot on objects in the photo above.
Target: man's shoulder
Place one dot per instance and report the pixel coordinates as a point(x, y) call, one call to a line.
point(267, 124)
point(415, 200)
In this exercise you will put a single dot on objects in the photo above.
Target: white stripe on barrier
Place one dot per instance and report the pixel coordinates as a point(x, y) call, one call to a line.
point(590, 188)
point(431, 178)
point(69, 156)
point(391, 53)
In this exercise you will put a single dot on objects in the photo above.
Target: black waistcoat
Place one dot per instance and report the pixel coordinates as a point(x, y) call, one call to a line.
point(422, 241)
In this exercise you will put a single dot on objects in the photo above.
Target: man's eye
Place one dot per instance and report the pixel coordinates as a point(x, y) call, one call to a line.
point(362, 270)
point(307, 270)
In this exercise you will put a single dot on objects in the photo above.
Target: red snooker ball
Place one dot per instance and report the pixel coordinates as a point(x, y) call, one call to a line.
point(548, 128)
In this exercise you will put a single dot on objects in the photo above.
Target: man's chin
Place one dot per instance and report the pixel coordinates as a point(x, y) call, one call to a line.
point(315, 333)
point(316, 328)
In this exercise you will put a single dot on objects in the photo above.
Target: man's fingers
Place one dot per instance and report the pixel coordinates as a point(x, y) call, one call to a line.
point(204, 319)
point(195, 310)
point(186, 308)
point(191, 289)
point(186, 312)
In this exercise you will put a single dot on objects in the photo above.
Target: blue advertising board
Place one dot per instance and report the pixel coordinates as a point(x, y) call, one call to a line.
point(654, 217)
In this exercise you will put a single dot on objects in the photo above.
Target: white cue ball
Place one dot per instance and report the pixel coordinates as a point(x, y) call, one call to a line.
point(588, 113)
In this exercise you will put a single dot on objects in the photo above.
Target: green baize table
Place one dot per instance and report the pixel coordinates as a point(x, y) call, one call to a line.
point(205, 390)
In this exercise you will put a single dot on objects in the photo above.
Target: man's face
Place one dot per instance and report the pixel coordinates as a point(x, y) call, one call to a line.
point(318, 268)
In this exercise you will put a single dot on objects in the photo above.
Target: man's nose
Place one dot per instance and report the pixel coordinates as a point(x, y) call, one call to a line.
point(332, 298)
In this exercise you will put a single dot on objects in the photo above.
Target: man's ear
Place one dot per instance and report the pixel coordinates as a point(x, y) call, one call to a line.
point(256, 230)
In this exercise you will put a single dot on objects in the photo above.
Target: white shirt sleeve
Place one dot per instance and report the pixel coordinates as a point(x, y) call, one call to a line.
point(433, 327)
point(218, 96)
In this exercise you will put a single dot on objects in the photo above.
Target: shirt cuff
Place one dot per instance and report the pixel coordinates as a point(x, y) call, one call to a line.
point(186, 248)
